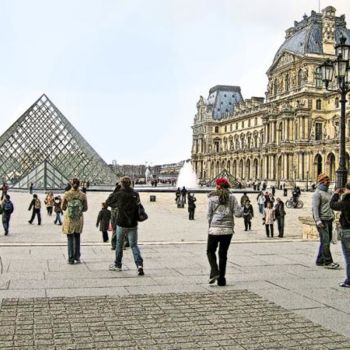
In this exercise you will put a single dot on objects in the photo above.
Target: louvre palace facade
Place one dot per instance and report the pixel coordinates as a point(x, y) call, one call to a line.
point(292, 134)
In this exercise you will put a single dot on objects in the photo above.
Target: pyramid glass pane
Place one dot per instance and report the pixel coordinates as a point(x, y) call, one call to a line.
point(43, 134)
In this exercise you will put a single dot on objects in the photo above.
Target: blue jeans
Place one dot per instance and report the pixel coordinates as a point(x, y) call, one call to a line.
point(121, 233)
point(324, 256)
point(6, 222)
point(73, 246)
point(261, 208)
point(58, 219)
point(345, 244)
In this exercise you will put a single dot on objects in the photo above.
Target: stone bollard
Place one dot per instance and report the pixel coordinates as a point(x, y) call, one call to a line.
point(309, 228)
point(152, 198)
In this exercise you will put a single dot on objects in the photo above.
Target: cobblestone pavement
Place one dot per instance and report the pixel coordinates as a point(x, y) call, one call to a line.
point(236, 320)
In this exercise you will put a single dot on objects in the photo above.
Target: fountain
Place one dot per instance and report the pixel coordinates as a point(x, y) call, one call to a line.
point(187, 177)
point(148, 174)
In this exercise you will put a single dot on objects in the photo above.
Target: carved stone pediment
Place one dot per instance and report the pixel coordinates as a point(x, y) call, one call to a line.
point(284, 60)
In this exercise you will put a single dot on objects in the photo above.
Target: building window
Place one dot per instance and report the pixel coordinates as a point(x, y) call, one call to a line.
point(337, 102)
point(300, 78)
point(216, 129)
point(231, 127)
point(225, 128)
point(242, 124)
point(216, 146)
point(248, 123)
point(318, 104)
point(286, 82)
point(255, 121)
point(236, 126)
point(318, 131)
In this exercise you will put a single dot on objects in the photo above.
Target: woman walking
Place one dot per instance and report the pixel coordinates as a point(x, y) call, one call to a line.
point(222, 206)
point(268, 219)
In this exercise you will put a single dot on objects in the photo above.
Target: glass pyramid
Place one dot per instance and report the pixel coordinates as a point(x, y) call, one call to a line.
point(43, 142)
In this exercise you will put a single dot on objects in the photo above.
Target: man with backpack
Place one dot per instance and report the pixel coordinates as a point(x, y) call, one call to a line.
point(73, 205)
point(7, 210)
point(126, 202)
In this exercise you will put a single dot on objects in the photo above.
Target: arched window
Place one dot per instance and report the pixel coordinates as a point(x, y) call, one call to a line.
point(216, 129)
point(318, 104)
point(286, 83)
point(336, 102)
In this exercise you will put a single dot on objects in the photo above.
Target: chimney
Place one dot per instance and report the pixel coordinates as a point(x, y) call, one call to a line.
point(328, 30)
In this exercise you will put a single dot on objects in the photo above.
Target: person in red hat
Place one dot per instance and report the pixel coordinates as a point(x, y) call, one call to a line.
point(222, 207)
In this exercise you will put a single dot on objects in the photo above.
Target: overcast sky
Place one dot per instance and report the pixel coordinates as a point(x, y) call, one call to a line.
point(128, 73)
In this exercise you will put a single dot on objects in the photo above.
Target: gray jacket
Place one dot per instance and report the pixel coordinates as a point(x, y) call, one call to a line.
point(220, 216)
point(320, 206)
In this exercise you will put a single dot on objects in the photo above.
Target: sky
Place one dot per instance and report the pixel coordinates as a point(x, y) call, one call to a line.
point(128, 73)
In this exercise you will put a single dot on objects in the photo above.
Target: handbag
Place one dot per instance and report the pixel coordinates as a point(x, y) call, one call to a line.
point(141, 213)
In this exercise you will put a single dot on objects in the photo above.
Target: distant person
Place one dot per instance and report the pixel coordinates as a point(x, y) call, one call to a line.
point(324, 217)
point(191, 199)
point(343, 205)
point(183, 194)
point(7, 210)
point(222, 207)
point(280, 214)
point(49, 202)
point(261, 202)
point(248, 214)
point(244, 198)
point(178, 196)
point(35, 206)
point(74, 205)
point(58, 210)
point(273, 190)
point(103, 220)
point(268, 219)
point(4, 190)
point(31, 188)
point(126, 201)
point(112, 203)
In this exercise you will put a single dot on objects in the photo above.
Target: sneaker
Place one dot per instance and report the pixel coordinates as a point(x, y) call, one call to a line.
point(112, 248)
point(77, 261)
point(71, 262)
point(114, 268)
point(140, 271)
point(344, 285)
point(213, 279)
point(332, 266)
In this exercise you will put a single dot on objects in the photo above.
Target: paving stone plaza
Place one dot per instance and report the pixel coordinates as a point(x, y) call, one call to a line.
point(276, 298)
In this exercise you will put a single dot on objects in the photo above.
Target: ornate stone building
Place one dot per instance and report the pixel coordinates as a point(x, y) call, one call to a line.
point(289, 136)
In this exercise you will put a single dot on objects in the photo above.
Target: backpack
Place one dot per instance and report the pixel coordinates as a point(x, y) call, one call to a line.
point(8, 207)
point(75, 209)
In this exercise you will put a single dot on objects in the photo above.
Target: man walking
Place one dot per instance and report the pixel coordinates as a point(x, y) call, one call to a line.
point(7, 210)
point(126, 201)
point(35, 205)
point(323, 216)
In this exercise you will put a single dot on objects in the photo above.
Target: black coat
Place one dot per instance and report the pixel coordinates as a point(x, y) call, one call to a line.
point(103, 219)
point(125, 202)
point(344, 207)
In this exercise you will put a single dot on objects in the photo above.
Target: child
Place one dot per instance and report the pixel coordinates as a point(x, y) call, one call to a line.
point(35, 205)
point(191, 205)
point(268, 219)
point(103, 219)
point(49, 202)
point(58, 210)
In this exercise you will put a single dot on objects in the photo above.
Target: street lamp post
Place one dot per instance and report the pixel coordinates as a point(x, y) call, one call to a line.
point(338, 72)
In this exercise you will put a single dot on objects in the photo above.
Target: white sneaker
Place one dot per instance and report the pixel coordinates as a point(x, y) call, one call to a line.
point(114, 268)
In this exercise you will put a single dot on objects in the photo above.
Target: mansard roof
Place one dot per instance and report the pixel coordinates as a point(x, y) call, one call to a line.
point(222, 100)
point(306, 36)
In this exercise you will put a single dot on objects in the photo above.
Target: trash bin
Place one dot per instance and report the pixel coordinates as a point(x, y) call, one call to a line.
point(285, 192)
point(152, 198)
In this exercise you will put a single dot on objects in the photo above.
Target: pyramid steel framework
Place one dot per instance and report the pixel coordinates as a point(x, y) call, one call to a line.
point(41, 136)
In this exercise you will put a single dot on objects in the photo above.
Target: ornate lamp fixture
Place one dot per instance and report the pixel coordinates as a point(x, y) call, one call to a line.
point(336, 73)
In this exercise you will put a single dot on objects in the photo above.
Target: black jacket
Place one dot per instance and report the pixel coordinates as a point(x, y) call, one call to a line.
point(125, 202)
point(344, 207)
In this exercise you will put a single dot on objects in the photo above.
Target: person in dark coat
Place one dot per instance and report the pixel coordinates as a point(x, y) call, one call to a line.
point(248, 214)
point(7, 210)
point(103, 219)
point(183, 194)
point(280, 214)
point(343, 205)
point(191, 205)
point(273, 190)
point(111, 202)
point(35, 205)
